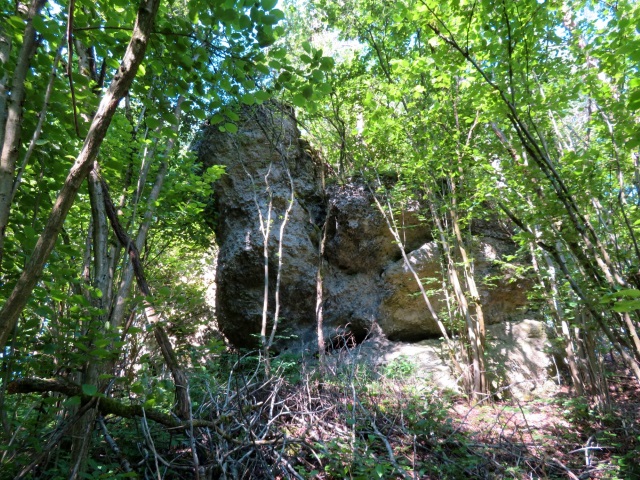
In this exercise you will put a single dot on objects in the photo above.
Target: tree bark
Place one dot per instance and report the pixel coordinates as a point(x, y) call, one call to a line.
point(478, 378)
point(320, 298)
point(5, 54)
point(13, 125)
point(83, 428)
point(79, 171)
point(179, 378)
point(106, 405)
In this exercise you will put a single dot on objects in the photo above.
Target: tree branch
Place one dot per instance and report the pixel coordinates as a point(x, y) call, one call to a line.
point(106, 406)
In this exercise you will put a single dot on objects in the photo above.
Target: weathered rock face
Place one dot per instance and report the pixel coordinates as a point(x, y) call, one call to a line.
point(365, 280)
point(402, 312)
point(517, 364)
point(252, 196)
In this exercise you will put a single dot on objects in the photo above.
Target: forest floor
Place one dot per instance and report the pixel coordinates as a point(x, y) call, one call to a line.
point(558, 437)
point(395, 425)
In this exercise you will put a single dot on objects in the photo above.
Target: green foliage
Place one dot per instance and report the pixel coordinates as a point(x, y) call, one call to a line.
point(400, 368)
point(203, 62)
point(444, 106)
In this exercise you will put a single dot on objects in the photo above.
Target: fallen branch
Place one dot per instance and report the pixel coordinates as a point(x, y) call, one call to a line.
point(124, 463)
point(106, 406)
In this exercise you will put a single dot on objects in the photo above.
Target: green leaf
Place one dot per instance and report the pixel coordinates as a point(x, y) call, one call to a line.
point(626, 293)
point(299, 100)
point(278, 53)
point(228, 15)
point(199, 113)
point(317, 76)
point(324, 88)
point(137, 388)
point(232, 115)
point(231, 127)
point(279, 14)
point(100, 353)
point(307, 91)
point(268, 4)
point(270, 19)
point(327, 63)
point(217, 118)
point(45, 311)
point(625, 306)
point(285, 77)
point(634, 100)
point(153, 122)
point(262, 95)
point(164, 291)
point(73, 401)
point(248, 99)
point(90, 390)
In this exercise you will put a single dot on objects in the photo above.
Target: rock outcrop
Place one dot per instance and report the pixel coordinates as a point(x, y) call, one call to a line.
point(365, 280)
point(516, 360)
point(263, 162)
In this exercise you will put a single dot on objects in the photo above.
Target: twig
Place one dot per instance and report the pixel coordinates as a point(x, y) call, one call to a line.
point(126, 466)
point(571, 475)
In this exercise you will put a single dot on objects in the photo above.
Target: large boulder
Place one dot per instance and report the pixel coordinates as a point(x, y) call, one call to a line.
point(403, 315)
point(366, 281)
point(263, 161)
point(517, 364)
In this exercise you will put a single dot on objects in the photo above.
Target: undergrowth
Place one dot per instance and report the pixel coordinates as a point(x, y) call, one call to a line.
point(352, 422)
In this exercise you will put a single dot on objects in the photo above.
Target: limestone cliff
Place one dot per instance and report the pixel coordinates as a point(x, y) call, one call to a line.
point(365, 280)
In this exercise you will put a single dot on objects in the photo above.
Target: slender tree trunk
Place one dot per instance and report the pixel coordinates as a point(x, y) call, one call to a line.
point(265, 231)
point(478, 324)
point(551, 296)
point(120, 301)
point(5, 54)
point(613, 334)
point(99, 126)
point(320, 298)
point(265, 228)
point(478, 378)
point(38, 131)
point(273, 138)
point(183, 404)
point(592, 361)
point(393, 229)
point(82, 430)
point(13, 123)
point(599, 271)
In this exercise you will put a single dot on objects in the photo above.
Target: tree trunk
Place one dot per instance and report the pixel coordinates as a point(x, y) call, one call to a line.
point(478, 377)
point(393, 229)
point(13, 124)
point(5, 54)
point(82, 430)
point(478, 325)
point(182, 408)
point(320, 298)
point(118, 310)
